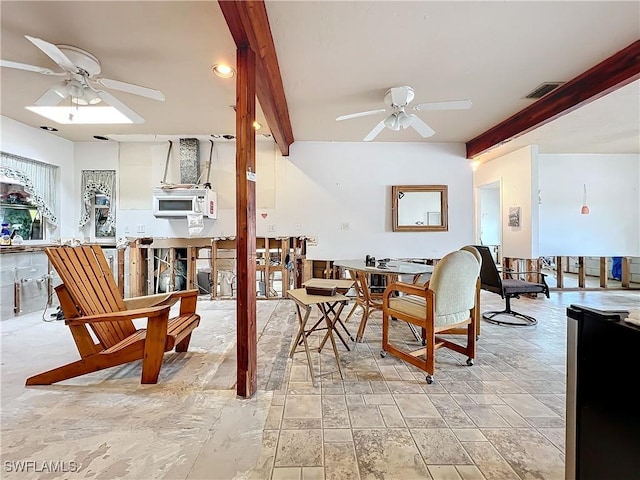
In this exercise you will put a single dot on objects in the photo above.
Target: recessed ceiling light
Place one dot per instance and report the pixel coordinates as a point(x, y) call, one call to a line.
point(223, 71)
point(49, 129)
point(100, 137)
point(257, 125)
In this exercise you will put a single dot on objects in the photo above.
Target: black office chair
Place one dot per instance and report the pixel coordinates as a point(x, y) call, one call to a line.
point(492, 281)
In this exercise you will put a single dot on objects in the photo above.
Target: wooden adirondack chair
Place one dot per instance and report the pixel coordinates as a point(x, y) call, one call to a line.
point(89, 296)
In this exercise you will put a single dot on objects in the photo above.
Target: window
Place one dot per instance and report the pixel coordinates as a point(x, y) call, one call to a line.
point(19, 211)
point(28, 196)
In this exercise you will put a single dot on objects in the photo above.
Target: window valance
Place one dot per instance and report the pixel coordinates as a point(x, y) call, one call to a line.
point(39, 180)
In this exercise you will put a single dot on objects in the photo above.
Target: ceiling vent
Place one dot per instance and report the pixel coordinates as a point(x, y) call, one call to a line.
point(542, 89)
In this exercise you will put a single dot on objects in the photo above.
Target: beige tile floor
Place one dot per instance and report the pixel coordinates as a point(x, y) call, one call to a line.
point(502, 418)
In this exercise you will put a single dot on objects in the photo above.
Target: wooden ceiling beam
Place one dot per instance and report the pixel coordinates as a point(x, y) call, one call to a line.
point(249, 26)
point(614, 72)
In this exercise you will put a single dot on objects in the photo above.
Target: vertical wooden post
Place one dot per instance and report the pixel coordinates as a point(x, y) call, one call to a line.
point(582, 274)
point(267, 262)
point(603, 272)
point(172, 270)
point(307, 272)
point(121, 271)
point(136, 266)
point(626, 272)
point(152, 279)
point(559, 273)
point(246, 222)
point(192, 255)
point(214, 269)
point(284, 250)
point(529, 268)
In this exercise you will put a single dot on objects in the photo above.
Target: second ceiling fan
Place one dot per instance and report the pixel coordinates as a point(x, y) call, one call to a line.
point(398, 98)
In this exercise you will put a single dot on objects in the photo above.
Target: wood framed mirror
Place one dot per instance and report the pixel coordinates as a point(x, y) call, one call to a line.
point(419, 208)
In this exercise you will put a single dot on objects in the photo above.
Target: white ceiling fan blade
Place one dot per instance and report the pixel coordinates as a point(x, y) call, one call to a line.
point(422, 128)
point(51, 97)
point(29, 68)
point(374, 133)
point(54, 53)
point(114, 102)
point(131, 88)
point(360, 114)
point(452, 105)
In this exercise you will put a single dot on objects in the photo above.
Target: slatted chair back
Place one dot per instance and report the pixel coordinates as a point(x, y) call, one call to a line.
point(85, 272)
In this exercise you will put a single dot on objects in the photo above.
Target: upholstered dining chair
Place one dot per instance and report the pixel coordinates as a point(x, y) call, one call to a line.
point(444, 304)
point(476, 311)
point(508, 288)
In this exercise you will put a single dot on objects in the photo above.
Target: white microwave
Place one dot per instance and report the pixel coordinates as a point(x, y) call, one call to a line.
point(180, 202)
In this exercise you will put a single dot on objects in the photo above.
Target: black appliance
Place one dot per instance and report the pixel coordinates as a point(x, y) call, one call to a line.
point(603, 406)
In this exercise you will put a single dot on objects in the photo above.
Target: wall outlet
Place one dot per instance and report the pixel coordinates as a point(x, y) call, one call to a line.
point(344, 226)
point(272, 228)
point(126, 229)
point(140, 229)
point(297, 227)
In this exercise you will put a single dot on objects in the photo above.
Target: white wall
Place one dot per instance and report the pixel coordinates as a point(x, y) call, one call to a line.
point(315, 191)
point(328, 185)
point(613, 196)
point(517, 173)
point(37, 144)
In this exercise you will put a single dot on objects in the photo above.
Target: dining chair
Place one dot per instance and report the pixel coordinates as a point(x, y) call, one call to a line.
point(445, 303)
point(476, 311)
point(365, 299)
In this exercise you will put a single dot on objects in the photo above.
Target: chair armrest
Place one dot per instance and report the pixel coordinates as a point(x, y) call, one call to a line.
point(542, 275)
point(170, 298)
point(188, 299)
point(123, 315)
point(147, 301)
point(407, 288)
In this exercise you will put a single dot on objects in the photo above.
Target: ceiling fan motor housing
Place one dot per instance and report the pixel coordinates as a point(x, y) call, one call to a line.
point(399, 96)
point(82, 59)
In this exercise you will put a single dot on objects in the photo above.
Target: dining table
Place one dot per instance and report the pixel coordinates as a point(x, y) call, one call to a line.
point(361, 271)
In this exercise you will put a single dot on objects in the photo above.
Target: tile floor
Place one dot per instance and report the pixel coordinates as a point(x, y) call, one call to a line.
point(502, 418)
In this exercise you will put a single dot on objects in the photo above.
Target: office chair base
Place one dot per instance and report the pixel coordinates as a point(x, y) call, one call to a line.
point(518, 319)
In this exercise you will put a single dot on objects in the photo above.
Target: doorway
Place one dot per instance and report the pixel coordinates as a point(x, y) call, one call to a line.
point(490, 223)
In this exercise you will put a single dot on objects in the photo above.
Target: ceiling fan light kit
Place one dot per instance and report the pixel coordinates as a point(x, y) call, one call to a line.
point(398, 98)
point(80, 68)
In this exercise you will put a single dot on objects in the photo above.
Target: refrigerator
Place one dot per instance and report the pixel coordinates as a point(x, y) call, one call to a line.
point(603, 406)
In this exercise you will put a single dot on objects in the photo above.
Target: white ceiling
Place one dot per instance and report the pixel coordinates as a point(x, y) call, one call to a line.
point(337, 58)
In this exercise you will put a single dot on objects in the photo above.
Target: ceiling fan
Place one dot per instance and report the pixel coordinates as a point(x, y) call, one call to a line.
point(398, 98)
point(81, 84)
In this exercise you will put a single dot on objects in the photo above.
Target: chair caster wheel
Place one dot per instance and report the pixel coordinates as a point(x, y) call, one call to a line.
point(383, 353)
point(352, 339)
point(469, 361)
point(429, 379)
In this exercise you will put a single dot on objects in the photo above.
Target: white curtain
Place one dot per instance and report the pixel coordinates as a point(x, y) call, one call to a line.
point(39, 180)
point(102, 181)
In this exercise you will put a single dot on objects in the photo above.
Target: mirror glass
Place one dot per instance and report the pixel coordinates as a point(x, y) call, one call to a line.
point(419, 208)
